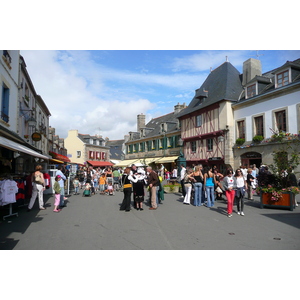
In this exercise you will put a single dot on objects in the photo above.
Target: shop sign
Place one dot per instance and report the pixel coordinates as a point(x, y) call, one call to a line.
point(36, 136)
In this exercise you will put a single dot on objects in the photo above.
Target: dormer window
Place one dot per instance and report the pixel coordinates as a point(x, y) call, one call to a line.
point(251, 91)
point(163, 127)
point(282, 78)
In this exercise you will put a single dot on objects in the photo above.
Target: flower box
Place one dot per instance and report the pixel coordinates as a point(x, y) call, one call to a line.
point(287, 201)
point(171, 188)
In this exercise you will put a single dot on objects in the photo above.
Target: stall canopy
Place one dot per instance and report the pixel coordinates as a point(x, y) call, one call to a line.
point(100, 163)
point(59, 156)
point(56, 161)
point(126, 163)
point(18, 147)
point(166, 159)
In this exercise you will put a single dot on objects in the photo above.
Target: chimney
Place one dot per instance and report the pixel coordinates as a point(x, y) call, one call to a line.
point(178, 108)
point(251, 68)
point(141, 122)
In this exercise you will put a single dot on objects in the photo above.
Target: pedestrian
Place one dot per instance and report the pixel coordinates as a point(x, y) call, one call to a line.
point(116, 177)
point(139, 189)
point(76, 185)
point(38, 187)
point(161, 196)
point(95, 182)
point(127, 189)
point(102, 183)
point(57, 188)
point(182, 173)
point(62, 186)
point(209, 185)
point(229, 184)
point(80, 175)
point(174, 174)
point(188, 180)
point(218, 186)
point(250, 180)
point(134, 172)
point(198, 186)
point(153, 183)
point(244, 170)
point(240, 191)
point(167, 175)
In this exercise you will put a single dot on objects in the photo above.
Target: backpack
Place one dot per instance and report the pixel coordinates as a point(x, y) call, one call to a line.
point(38, 179)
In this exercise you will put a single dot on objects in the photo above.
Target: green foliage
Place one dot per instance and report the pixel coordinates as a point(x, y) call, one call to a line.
point(257, 138)
point(240, 141)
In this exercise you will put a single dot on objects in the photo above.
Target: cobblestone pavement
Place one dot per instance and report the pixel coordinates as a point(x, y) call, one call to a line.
point(95, 223)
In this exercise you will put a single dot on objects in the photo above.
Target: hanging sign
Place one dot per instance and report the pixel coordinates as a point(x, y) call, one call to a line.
point(36, 136)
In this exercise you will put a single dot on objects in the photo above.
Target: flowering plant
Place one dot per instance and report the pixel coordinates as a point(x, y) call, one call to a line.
point(285, 159)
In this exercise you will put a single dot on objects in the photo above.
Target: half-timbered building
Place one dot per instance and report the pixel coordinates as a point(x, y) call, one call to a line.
point(207, 123)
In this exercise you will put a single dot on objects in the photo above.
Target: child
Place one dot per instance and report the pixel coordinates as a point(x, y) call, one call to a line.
point(110, 189)
point(56, 188)
point(102, 183)
point(76, 186)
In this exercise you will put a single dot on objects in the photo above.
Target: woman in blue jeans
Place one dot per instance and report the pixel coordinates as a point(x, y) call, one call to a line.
point(198, 186)
point(209, 186)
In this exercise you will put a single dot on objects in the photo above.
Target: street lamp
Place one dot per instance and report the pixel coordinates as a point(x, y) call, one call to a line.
point(180, 160)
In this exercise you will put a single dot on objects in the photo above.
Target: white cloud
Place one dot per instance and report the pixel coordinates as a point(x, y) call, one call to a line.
point(85, 95)
point(209, 59)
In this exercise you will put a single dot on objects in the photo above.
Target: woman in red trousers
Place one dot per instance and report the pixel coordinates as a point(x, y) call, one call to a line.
point(229, 184)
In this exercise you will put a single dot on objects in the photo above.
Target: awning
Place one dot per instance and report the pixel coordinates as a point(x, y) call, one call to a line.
point(59, 156)
point(18, 147)
point(150, 160)
point(126, 162)
point(56, 161)
point(114, 161)
point(100, 163)
point(166, 159)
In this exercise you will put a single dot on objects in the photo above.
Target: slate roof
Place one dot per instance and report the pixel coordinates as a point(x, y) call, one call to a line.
point(153, 127)
point(223, 83)
point(116, 147)
point(83, 138)
point(269, 78)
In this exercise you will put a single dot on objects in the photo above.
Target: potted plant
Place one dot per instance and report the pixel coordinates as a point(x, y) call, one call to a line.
point(240, 141)
point(257, 139)
point(276, 187)
point(171, 187)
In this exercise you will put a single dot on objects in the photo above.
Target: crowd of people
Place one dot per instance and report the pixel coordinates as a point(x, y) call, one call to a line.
point(200, 186)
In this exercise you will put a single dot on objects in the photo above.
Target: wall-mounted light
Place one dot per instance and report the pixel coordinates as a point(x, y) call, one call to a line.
point(221, 139)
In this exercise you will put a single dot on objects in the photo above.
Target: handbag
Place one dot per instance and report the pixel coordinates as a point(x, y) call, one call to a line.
point(218, 190)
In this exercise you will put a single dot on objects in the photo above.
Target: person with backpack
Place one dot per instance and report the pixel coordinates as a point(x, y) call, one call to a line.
point(38, 187)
